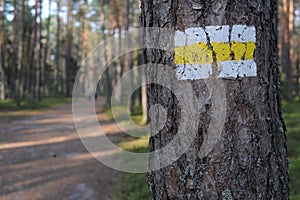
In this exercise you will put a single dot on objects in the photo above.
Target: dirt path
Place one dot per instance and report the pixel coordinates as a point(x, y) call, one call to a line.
point(41, 157)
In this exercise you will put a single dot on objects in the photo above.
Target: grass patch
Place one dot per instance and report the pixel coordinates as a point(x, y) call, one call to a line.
point(10, 105)
point(121, 114)
point(137, 188)
point(291, 114)
point(135, 185)
point(10, 111)
point(135, 145)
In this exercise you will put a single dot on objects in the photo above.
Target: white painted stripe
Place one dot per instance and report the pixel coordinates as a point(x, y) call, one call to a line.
point(243, 33)
point(218, 33)
point(234, 69)
point(193, 72)
point(228, 69)
point(190, 36)
point(195, 35)
point(180, 39)
point(239, 33)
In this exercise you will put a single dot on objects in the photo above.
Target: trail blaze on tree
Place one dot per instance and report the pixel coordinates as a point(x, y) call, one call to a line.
point(250, 159)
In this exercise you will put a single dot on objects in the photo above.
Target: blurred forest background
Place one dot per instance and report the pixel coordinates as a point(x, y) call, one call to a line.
point(44, 42)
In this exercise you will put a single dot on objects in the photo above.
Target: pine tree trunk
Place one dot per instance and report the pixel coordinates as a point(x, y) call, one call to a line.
point(286, 49)
point(108, 86)
point(3, 78)
point(19, 80)
point(36, 57)
point(57, 55)
point(249, 161)
point(14, 56)
point(41, 66)
point(28, 58)
point(46, 53)
point(69, 49)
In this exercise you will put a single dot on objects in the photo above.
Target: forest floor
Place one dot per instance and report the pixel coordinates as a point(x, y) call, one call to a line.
point(42, 157)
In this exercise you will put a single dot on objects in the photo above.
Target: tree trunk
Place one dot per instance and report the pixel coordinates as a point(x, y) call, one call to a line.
point(69, 48)
point(19, 80)
point(3, 78)
point(108, 86)
point(120, 61)
point(85, 48)
point(36, 55)
point(14, 56)
point(249, 159)
point(286, 49)
point(57, 56)
point(46, 52)
point(41, 68)
point(28, 59)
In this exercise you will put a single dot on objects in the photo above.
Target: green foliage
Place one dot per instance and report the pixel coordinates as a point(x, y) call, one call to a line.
point(135, 186)
point(292, 120)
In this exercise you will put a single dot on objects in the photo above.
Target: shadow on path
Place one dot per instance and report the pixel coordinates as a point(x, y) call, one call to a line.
point(42, 157)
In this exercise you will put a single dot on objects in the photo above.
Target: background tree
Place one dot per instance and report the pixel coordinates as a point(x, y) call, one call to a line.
point(3, 76)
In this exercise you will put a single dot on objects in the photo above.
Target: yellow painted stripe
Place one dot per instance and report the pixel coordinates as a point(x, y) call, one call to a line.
point(199, 53)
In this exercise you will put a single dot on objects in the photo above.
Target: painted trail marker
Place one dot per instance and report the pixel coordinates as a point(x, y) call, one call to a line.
point(234, 52)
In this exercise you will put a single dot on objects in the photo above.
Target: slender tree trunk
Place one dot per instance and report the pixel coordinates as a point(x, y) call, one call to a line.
point(249, 160)
point(85, 49)
point(36, 56)
point(108, 87)
point(128, 59)
point(144, 101)
point(28, 59)
point(69, 48)
point(14, 56)
point(120, 62)
point(40, 54)
point(19, 80)
point(3, 78)
point(57, 56)
point(286, 49)
point(46, 53)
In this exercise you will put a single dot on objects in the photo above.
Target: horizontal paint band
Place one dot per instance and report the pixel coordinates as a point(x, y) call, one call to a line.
point(227, 69)
point(199, 53)
point(223, 34)
point(233, 48)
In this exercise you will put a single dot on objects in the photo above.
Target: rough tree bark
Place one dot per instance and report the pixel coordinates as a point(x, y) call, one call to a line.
point(250, 159)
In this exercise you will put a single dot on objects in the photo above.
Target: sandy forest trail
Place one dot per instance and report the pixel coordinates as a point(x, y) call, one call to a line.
point(41, 157)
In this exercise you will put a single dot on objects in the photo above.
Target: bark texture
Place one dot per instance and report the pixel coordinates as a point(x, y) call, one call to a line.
point(250, 160)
